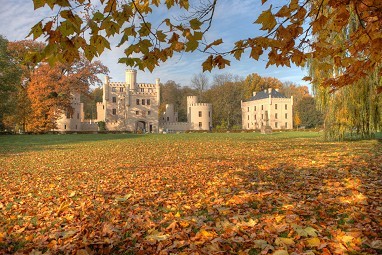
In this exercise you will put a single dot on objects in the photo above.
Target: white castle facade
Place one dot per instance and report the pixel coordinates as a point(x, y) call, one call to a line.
point(131, 106)
point(199, 117)
point(267, 108)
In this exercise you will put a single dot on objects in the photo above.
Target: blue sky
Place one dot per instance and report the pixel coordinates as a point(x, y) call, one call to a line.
point(233, 20)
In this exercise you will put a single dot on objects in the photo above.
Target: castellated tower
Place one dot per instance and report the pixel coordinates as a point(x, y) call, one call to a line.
point(131, 79)
point(199, 115)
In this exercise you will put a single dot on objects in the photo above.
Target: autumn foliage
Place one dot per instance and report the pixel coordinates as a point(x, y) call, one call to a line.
point(294, 32)
point(51, 90)
point(189, 194)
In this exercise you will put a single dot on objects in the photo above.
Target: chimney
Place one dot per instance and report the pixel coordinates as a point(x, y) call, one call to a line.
point(277, 90)
point(270, 90)
point(254, 93)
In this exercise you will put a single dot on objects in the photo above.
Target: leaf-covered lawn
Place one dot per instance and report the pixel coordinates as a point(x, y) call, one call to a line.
point(286, 193)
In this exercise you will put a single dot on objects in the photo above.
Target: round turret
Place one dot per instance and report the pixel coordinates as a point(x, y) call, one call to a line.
point(131, 79)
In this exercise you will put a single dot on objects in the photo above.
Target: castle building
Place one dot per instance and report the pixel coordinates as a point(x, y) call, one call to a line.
point(70, 120)
point(199, 117)
point(130, 106)
point(267, 108)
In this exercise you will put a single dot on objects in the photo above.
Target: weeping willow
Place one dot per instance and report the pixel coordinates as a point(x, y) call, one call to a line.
point(353, 111)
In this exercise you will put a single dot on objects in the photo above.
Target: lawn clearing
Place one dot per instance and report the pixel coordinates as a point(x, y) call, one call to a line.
point(189, 194)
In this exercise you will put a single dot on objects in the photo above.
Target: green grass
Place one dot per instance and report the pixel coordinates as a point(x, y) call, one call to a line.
point(38, 142)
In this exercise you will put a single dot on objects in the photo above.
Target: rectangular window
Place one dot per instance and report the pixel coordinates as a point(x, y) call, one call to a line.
point(275, 115)
point(200, 114)
point(150, 90)
point(209, 114)
point(248, 117)
point(262, 116)
point(114, 111)
point(200, 124)
point(142, 90)
point(286, 107)
point(168, 118)
point(275, 124)
point(148, 112)
point(255, 116)
point(248, 109)
point(148, 102)
point(286, 124)
point(255, 107)
point(65, 127)
point(113, 89)
point(121, 89)
point(248, 125)
point(143, 102)
point(262, 107)
point(276, 106)
point(136, 112)
point(137, 101)
point(286, 115)
point(114, 99)
point(78, 115)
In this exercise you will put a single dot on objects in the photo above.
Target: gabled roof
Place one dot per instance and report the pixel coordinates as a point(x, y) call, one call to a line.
point(265, 94)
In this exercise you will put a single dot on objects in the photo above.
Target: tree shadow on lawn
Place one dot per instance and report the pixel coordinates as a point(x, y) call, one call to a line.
point(25, 143)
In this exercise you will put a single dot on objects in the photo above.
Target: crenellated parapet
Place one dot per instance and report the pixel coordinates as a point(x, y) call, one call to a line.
point(201, 104)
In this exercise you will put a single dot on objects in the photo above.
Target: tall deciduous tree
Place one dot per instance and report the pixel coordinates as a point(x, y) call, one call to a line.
point(225, 95)
point(10, 74)
point(173, 93)
point(200, 83)
point(90, 101)
point(255, 83)
point(309, 116)
point(289, 28)
point(51, 90)
point(21, 106)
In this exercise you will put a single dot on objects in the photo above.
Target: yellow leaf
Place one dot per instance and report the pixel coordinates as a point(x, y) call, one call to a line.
point(124, 198)
point(311, 231)
point(283, 12)
point(267, 20)
point(206, 233)
point(260, 244)
point(313, 242)
point(195, 23)
point(347, 239)
point(2, 235)
point(207, 65)
point(82, 252)
point(286, 241)
point(281, 252)
point(158, 236)
point(72, 194)
point(214, 43)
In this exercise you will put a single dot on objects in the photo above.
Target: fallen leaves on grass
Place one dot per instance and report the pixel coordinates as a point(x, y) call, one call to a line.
point(193, 195)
